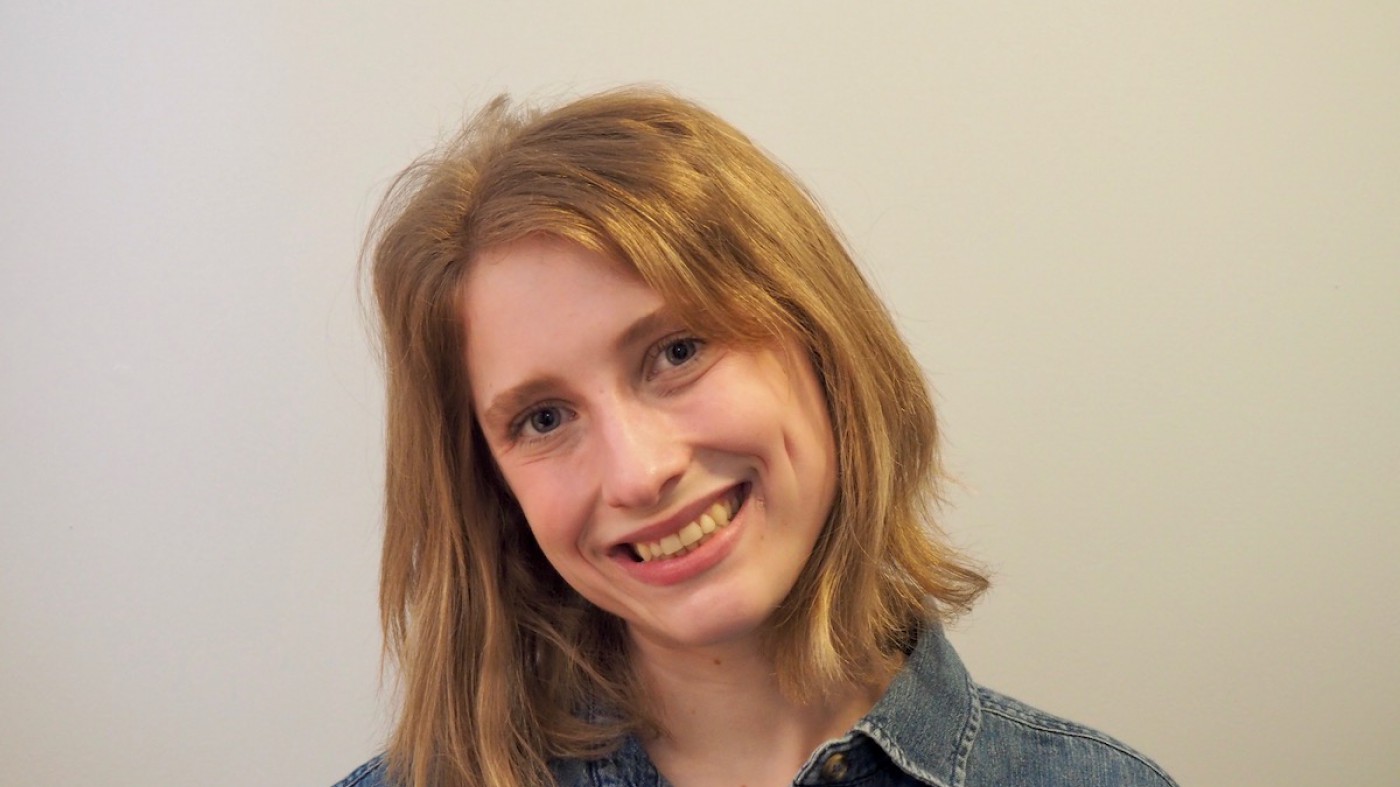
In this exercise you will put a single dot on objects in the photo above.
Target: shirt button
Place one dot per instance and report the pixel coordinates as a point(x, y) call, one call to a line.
point(835, 768)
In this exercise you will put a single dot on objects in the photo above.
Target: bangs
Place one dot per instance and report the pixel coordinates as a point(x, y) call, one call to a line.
point(701, 258)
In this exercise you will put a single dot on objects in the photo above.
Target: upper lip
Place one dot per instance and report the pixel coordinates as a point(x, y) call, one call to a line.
point(678, 520)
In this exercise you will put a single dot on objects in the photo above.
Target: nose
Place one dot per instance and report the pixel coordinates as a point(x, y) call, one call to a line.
point(642, 458)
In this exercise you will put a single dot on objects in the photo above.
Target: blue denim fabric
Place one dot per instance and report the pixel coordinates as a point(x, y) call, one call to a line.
point(934, 726)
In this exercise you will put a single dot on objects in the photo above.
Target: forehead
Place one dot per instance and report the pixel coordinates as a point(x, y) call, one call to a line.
point(542, 305)
point(516, 287)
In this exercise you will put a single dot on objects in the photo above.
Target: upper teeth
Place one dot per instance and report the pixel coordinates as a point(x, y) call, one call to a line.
point(688, 537)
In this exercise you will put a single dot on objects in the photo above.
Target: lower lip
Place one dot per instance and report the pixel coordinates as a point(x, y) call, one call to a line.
point(674, 570)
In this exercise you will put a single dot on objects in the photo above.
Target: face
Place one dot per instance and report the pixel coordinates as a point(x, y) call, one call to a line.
point(675, 482)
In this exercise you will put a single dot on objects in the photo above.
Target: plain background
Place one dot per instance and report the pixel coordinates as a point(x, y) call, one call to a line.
point(1148, 253)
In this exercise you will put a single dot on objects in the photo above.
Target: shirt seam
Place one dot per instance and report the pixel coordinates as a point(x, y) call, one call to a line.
point(1075, 731)
point(972, 727)
point(914, 766)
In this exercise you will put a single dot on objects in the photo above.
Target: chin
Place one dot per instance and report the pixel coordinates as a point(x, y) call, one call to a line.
point(719, 625)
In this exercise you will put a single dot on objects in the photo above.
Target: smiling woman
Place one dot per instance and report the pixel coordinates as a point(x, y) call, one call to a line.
point(659, 478)
point(638, 438)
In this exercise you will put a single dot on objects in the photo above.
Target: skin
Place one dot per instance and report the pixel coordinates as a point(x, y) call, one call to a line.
point(613, 423)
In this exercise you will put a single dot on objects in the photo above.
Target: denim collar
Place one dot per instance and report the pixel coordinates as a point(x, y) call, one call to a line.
point(925, 724)
point(929, 717)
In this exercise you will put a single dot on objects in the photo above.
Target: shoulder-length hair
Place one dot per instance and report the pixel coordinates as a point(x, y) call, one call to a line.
point(503, 666)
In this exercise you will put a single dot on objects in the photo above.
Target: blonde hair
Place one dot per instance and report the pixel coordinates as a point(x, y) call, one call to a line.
point(503, 665)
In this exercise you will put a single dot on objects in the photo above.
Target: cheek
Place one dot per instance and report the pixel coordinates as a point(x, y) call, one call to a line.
point(552, 505)
point(765, 412)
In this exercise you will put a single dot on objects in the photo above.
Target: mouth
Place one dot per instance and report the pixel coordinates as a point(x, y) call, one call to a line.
point(694, 534)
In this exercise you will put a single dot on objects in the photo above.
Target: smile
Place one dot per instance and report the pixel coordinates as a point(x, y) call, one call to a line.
point(691, 536)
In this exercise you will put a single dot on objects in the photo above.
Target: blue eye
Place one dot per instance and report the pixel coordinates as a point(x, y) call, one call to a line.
point(676, 357)
point(539, 423)
point(680, 351)
point(545, 420)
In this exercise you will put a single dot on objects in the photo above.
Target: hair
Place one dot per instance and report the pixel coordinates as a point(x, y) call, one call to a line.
point(503, 666)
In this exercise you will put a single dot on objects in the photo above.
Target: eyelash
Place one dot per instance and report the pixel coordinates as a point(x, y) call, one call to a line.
point(517, 428)
point(658, 351)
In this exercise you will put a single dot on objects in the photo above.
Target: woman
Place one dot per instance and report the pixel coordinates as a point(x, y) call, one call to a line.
point(659, 474)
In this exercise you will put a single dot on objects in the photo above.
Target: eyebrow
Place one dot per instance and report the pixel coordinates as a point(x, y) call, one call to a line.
point(643, 328)
point(506, 404)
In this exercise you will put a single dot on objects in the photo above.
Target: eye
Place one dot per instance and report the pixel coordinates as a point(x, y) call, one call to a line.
point(539, 421)
point(544, 420)
point(679, 351)
point(672, 354)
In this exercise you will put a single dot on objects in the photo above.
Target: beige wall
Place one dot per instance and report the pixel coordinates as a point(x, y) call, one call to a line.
point(1149, 253)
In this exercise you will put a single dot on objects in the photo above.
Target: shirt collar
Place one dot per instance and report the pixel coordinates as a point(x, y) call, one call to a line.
point(925, 722)
point(928, 718)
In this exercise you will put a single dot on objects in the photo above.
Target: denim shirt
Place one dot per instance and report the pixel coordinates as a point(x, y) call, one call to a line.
point(933, 726)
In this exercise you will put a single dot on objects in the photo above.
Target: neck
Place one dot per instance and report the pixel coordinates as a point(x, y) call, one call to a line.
point(727, 722)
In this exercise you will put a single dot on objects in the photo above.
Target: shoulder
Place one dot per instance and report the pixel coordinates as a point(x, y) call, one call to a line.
point(1019, 744)
point(567, 773)
point(371, 774)
point(570, 773)
point(627, 766)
